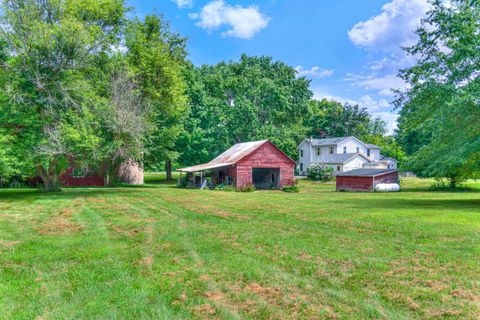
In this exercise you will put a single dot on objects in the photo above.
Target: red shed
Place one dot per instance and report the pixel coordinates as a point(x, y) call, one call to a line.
point(365, 179)
point(259, 163)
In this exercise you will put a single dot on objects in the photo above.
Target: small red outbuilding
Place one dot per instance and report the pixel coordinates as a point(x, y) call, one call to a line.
point(365, 179)
point(259, 163)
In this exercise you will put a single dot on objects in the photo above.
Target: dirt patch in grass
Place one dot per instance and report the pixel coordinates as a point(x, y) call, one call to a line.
point(61, 224)
point(9, 244)
point(124, 230)
point(267, 293)
point(205, 310)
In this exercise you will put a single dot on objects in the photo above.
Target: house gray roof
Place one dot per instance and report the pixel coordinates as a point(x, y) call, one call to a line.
point(387, 158)
point(365, 172)
point(339, 158)
point(372, 146)
point(328, 141)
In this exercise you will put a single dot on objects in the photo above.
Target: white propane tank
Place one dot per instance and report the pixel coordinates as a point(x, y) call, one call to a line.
point(387, 187)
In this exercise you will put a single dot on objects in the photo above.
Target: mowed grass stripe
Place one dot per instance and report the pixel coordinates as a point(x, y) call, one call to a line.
point(161, 252)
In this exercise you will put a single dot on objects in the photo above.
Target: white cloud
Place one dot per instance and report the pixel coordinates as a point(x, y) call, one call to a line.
point(392, 28)
point(380, 83)
point(314, 72)
point(183, 3)
point(243, 22)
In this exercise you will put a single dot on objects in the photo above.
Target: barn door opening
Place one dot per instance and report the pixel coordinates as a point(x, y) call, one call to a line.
point(266, 178)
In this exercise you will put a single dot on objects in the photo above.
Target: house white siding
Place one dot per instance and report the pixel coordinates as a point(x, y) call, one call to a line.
point(344, 153)
point(351, 146)
point(391, 164)
point(304, 156)
point(374, 154)
point(355, 163)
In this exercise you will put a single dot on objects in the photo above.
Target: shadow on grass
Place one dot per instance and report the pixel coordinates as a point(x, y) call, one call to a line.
point(418, 204)
point(66, 193)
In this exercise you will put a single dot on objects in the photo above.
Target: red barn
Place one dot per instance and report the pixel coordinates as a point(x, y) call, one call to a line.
point(365, 179)
point(259, 163)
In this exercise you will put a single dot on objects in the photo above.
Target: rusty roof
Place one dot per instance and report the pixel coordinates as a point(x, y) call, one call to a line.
point(238, 151)
point(229, 157)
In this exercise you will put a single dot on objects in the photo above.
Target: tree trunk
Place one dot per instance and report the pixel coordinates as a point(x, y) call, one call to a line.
point(453, 182)
point(168, 169)
point(50, 177)
point(114, 178)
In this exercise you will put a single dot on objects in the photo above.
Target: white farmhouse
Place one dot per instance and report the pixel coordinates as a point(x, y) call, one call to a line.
point(342, 154)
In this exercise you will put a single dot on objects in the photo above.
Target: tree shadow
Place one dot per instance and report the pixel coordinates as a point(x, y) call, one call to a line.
point(472, 205)
point(9, 195)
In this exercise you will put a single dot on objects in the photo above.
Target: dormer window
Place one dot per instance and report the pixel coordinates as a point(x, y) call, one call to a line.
point(344, 149)
point(331, 150)
point(318, 151)
point(301, 153)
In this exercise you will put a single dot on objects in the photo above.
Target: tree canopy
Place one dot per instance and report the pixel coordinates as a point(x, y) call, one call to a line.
point(439, 121)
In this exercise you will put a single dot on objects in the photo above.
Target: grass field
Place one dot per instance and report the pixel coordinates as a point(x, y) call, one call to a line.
point(159, 252)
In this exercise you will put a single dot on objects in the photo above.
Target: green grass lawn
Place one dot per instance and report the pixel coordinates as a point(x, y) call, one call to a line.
point(158, 252)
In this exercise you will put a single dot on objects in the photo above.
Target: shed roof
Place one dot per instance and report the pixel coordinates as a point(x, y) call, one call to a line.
point(372, 146)
point(365, 172)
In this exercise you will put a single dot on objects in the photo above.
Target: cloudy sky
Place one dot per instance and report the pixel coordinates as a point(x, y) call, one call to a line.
point(350, 49)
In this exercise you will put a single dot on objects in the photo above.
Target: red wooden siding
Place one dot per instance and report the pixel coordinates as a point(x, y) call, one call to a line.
point(93, 180)
point(90, 181)
point(354, 183)
point(266, 156)
point(391, 177)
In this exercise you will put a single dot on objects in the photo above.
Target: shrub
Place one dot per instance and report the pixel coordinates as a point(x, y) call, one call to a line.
point(249, 187)
point(320, 172)
point(291, 189)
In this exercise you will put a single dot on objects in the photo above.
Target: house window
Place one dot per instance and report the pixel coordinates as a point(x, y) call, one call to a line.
point(318, 151)
point(301, 153)
point(338, 168)
point(358, 150)
point(344, 149)
point(368, 152)
point(331, 150)
point(301, 166)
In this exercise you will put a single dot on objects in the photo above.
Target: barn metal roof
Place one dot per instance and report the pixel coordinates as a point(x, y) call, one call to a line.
point(206, 166)
point(229, 157)
point(238, 151)
point(365, 172)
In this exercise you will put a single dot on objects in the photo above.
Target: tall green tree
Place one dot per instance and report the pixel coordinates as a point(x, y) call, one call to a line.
point(439, 120)
point(157, 58)
point(334, 119)
point(46, 71)
point(231, 102)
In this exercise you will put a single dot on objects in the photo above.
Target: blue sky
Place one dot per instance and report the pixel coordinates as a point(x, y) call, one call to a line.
point(350, 49)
